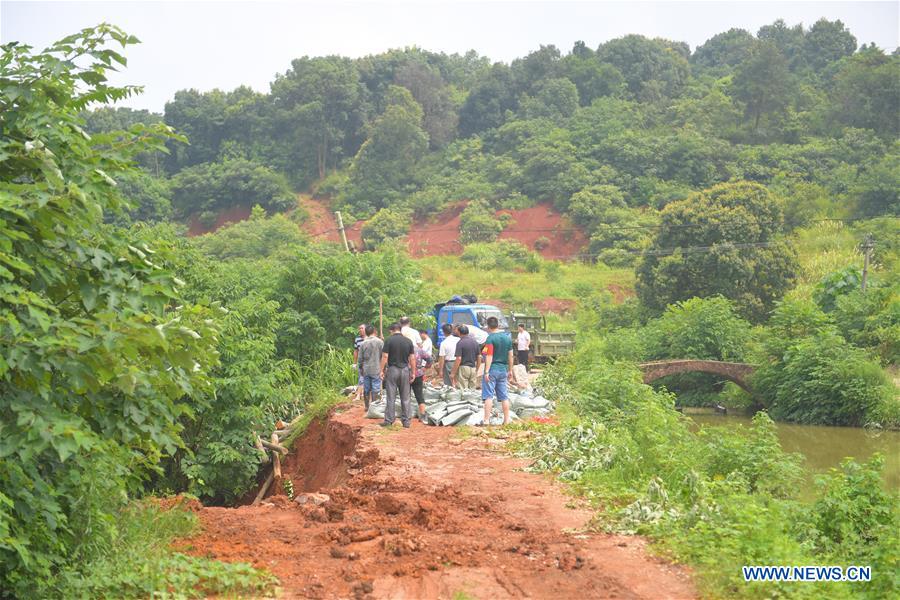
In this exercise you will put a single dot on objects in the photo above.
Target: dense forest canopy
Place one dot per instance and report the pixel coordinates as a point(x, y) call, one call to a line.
point(805, 111)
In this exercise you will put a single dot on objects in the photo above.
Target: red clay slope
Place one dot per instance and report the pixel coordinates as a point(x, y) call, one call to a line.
point(439, 235)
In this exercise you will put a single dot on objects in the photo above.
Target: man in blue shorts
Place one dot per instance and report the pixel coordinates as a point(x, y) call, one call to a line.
point(498, 357)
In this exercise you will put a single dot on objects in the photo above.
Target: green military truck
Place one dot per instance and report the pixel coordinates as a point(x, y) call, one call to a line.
point(545, 345)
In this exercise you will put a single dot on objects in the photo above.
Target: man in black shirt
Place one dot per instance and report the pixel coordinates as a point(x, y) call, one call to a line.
point(468, 360)
point(398, 369)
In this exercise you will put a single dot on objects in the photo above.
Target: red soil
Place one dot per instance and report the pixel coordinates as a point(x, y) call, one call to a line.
point(322, 224)
point(421, 513)
point(530, 224)
point(555, 305)
point(527, 225)
point(235, 214)
point(439, 235)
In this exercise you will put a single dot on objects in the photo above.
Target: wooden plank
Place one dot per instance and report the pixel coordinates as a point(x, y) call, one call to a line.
point(274, 445)
point(264, 488)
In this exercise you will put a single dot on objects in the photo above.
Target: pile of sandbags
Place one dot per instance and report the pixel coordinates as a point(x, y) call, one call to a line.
point(528, 404)
point(451, 406)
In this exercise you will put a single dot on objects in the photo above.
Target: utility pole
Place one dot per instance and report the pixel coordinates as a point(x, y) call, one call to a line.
point(867, 247)
point(341, 229)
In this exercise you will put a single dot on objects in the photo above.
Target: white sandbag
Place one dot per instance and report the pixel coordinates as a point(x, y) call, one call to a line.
point(473, 396)
point(521, 376)
point(432, 394)
point(377, 409)
point(476, 418)
point(536, 402)
point(451, 395)
point(456, 416)
point(527, 413)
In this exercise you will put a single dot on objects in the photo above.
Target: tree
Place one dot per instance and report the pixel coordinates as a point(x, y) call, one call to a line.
point(98, 353)
point(148, 198)
point(591, 206)
point(788, 40)
point(594, 79)
point(435, 97)
point(726, 49)
point(211, 187)
point(385, 168)
point(827, 42)
point(326, 295)
point(555, 99)
point(387, 224)
point(319, 103)
point(763, 83)
point(877, 190)
point(537, 66)
point(726, 241)
point(866, 93)
point(107, 119)
point(653, 68)
point(200, 117)
point(488, 101)
point(257, 237)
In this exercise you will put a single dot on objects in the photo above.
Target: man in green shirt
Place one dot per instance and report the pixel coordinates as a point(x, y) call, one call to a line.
point(498, 357)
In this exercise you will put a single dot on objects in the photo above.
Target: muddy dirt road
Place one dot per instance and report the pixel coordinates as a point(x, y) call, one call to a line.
point(424, 513)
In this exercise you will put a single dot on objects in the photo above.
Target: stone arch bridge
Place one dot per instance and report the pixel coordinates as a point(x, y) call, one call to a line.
point(739, 373)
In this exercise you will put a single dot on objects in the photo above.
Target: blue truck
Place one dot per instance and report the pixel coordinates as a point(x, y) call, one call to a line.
point(466, 310)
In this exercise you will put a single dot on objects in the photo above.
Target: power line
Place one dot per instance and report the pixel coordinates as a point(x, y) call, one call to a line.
point(611, 227)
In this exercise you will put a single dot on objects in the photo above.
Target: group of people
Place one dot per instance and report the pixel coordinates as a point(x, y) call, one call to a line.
point(400, 363)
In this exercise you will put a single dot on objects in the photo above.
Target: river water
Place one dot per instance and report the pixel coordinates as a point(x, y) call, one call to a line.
point(825, 447)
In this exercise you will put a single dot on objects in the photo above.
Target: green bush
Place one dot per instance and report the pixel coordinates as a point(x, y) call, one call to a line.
point(212, 187)
point(477, 223)
point(324, 297)
point(387, 224)
point(257, 237)
point(871, 319)
point(718, 498)
point(835, 285)
point(703, 328)
point(254, 388)
point(508, 254)
point(824, 380)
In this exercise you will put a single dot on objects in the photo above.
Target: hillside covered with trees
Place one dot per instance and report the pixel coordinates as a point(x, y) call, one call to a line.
point(632, 124)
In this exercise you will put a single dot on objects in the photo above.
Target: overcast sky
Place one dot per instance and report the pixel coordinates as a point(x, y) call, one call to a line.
point(205, 45)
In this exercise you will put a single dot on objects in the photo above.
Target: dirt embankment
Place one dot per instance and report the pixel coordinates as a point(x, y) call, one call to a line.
point(539, 228)
point(422, 513)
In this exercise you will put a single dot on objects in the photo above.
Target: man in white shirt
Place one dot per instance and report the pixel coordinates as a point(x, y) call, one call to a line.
point(409, 333)
point(425, 342)
point(447, 353)
point(523, 342)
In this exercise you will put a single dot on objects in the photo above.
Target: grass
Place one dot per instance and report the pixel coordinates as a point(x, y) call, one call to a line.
point(318, 393)
point(140, 563)
point(824, 248)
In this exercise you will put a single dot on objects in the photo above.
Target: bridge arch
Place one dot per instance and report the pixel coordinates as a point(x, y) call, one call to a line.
point(739, 373)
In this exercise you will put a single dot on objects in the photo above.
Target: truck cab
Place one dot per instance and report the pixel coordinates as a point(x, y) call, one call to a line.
point(474, 316)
